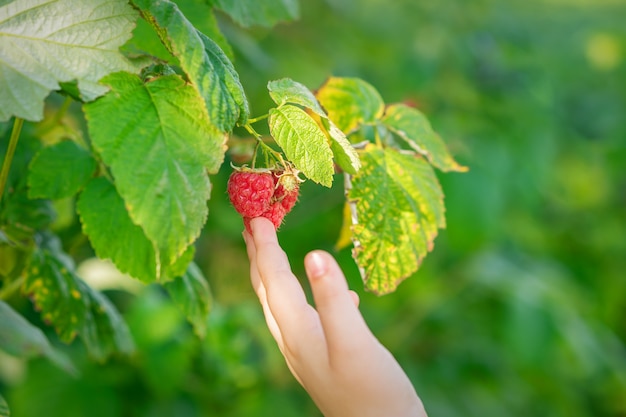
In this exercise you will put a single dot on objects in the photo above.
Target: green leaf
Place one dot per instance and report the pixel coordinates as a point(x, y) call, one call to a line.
point(208, 67)
point(4, 408)
point(60, 171)
point(286, 91)
point(71, 306)
point(21, 339)
point(304, 142)
point(16, 209)
point(105, 332)
point(265, 13)
point(20, 211)
point(112, 233)
point(345, 154)
point(200, 13)
point(180, 266)
point(15, 251)
point(350, 102)
point(43, 43)
point(54, 290)
point(191, 293)
point(399, 207)
point(159, 150)
point(413, 127)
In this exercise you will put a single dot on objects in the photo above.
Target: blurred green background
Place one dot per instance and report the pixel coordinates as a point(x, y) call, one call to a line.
point(520, 309)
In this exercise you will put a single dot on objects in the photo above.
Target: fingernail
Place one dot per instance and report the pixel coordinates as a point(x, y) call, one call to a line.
point(316, 265)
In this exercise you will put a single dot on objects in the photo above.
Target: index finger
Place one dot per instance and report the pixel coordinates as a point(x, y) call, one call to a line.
point(285, 296)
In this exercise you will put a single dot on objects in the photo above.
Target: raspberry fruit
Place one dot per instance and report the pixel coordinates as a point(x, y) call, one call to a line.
point(266, 193)
point(287, 190)
point(250, 192)
point(275, 213)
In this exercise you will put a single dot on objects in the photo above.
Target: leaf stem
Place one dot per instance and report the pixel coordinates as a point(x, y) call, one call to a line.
point(264, 146)
point(8, 159)
point(258, 119)
point(8, 291)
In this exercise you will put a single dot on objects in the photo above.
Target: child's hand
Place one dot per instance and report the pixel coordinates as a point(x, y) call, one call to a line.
point(329, 349)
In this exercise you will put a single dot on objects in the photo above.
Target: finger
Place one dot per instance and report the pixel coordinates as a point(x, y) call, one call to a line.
point(284, 294)
point(259, 289)
point(336, 305)
point(355, 298)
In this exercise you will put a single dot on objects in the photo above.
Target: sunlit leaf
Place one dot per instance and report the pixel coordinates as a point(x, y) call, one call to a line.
point(259, 12)
point(413, 127)
point(350, 102)
point(207, 66)
point(345, 154)
point(112, 233)
point(159, 150)
point(191, 293)
point(23, 340)
point(286, 90)
point(44, 43)
point(399, 205)
point(303, 141)
point(345, 233)
point(59, 171)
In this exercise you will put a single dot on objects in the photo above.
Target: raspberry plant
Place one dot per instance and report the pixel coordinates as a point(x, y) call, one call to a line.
point(159, 116)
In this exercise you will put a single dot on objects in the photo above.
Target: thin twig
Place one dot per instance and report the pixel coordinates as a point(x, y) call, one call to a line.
point(8, 159)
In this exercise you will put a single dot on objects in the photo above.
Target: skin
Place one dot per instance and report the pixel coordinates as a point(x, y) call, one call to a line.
point(329, 349)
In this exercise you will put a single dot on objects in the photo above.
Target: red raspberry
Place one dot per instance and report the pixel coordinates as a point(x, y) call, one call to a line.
point(287, 190)
point(250, 192)
point(275, 213)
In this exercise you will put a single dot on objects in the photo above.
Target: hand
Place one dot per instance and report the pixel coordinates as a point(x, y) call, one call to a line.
point(329, 349)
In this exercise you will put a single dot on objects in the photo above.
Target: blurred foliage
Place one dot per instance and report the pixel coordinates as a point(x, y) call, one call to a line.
point(520, 308)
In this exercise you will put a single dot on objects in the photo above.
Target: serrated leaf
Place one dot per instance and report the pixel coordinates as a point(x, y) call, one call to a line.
point(21, 339)
point(60, 171)
point(200, 13)
point(265, 13)
point(191, 293)
point(207, 66)
point(399, 205)
point(345, 233)
point(104, 333)
point(350, 102)
point(345, 154)
point(4, 407)
point(44, 43)
point(159, 150)
point(112, 233)
point(180, 266)
point(71, 306)
point(54, 290)
point(413, 127)
point(286, 90)
point(304, 142)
